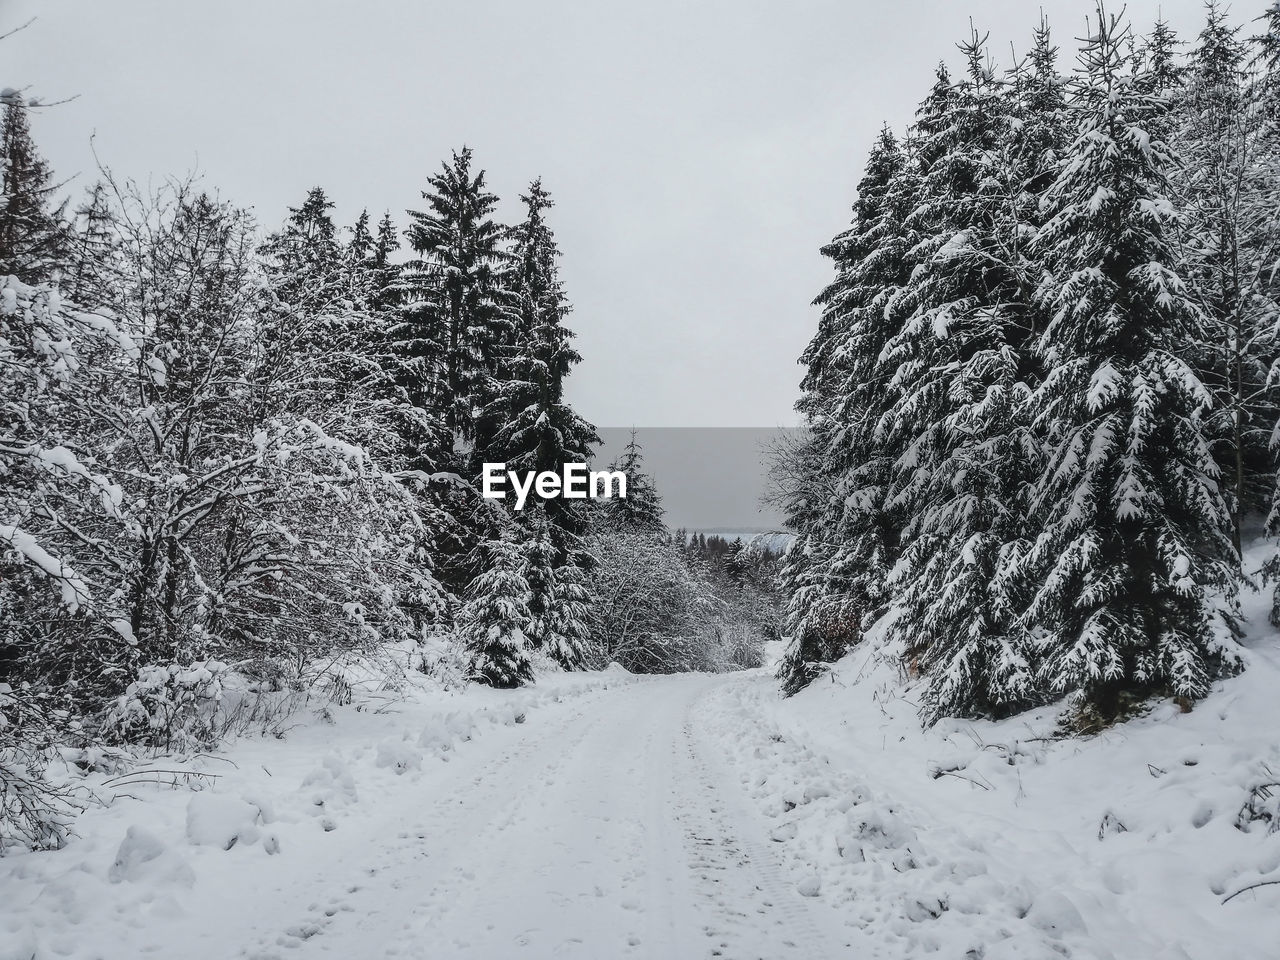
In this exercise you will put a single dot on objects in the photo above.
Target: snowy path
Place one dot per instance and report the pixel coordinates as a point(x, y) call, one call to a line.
point(600, 828)
point(602, 816)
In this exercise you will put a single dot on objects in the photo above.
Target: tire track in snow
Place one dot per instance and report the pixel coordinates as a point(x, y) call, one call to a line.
point(482, 832)
point(762, 916)
point(611, 831)
point(369, 896)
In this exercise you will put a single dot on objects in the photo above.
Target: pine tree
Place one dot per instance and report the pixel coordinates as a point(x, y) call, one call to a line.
point(640, 511)
point(837, 571)
point(1268, 42)
point(32, 236)
point(1157, 72)
point(314, 344)
point(493, 621)
point(383, 276)
point(361, 243)
point(1041, 128)
point(1134, 539)
point(962, 383)
point(558, 594)
point(1263, 95)
point(566, 624)
point(90, 245)
point(306, 249)
point(540, 555)
point(1224, 184)
point(386, 243)
point(456, 323)
point(532, 426)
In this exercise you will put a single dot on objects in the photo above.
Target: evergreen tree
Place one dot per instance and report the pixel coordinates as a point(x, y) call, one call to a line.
point(559, 595)
point(837, 571)
point(1224, 184)
point(361, 243)
point(91, 243)
point(306, 250)
point(1268, 42)
point(1041, 128)
point(1157, 72)
point(314, 347)
point(493, 621)
point(456, 323)
point(1134, 541)
point(32, 236)
point(532, 427)
point(387, 242)
point(963, 380)
point(383, 273)
point(540, 555)
point(640, 511)
point(1263, 94)
point(566, 623)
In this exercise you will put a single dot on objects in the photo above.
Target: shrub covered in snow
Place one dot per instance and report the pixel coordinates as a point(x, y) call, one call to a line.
point(171, 706)
point(35, 813)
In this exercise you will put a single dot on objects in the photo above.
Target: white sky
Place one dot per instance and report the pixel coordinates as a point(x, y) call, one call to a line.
point(699, 151)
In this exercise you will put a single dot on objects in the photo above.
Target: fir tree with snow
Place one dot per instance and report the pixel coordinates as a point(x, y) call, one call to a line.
point(32, 236)
point(1225, 185)
point(559, 593)
point(532, 426)
point(361, 242)
point(1132, 572)
point(962, 382)
point(456, 323)
point(837, 571)
point(640, 511)
point(495, 617)
point(90, 242)
point(566, 621)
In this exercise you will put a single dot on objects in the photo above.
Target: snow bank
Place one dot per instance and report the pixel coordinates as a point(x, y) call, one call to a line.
point(222, 821)
point(981, 839)
point(188, 853)
point(144, 858)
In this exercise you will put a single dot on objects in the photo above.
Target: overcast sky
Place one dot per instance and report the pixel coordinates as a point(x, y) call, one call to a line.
point(699, 151)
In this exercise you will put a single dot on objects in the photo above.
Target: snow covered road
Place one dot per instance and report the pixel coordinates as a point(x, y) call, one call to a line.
point(604, 815)
point(601, 827)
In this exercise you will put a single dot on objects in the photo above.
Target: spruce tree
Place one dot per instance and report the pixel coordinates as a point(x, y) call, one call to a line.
point(1267, 43)
point(532, 426)
point(32, 235)
point(1264, 103)
point(837, 571)
point(540, 555)
point(456, 323)
point(1133, 565)
point(1157, 71)
point(640, 511)
point(1041, 123)
point(1224, 184)
point(566, 623)
point(495, 616)
point(963, 379)
point(559, 594)
point(90, 242)
point(361, 242)
point(383, 272)
point(313, 343)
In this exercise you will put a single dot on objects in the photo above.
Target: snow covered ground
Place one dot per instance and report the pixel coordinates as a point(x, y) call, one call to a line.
point(1158, 839)
point(585, 817)
point(605, 815)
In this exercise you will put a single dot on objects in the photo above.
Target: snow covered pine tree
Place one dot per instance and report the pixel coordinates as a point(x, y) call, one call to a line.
point(1133, 571)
